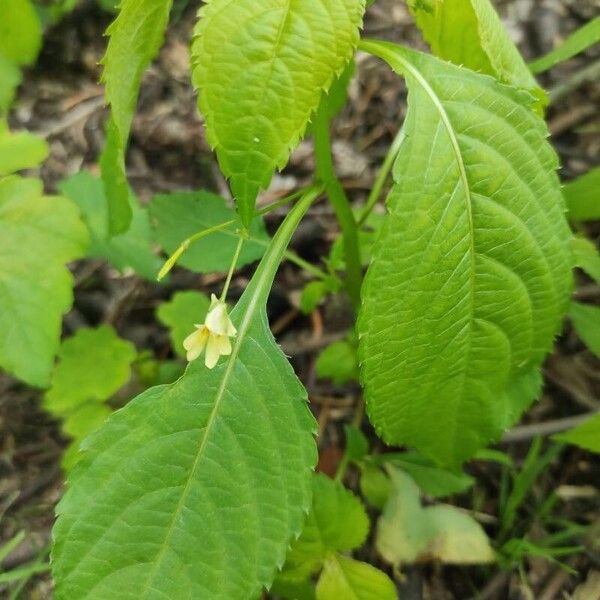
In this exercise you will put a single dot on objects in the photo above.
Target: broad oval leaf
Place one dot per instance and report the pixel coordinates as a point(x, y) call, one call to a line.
point(583, 197)
point(471, 273)
point(337, 521)
point(350, 579)
point(408, 532)
point(470, 33)
point(261, 69)
point(92, 365)
point(135, 38)
point(32, 306)
point(195, 489)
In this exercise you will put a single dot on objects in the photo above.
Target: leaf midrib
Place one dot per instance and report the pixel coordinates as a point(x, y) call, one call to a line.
point(267, 268)
point(243, 329)
point(416, 74)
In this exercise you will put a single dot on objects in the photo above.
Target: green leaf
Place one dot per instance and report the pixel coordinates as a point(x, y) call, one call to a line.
point(337, 521)
point(32, 305)
point(132, 249)
point(261, 73)
point(586, 256)
point(357, 445)
point(583, 197)
point(10, 78)
point(20, 150)
point(149, 371)
point(180, 315)
point(337, 260)
point(432, 480)
point(86, 419)
point(472, 270)
point(407, 532)
point(293, 590)
point(470, 33)
point(92, 365)
point(176, 217)
point(114, 179)
point(201, 484)
point(586, 435)
point(334, 99)
point(337, 95)
point(374, 485)
point(586, 321)
point(490, 455)
point(135, 38)
point(20, 32)
point(523, 479)
point(338, 362)
point(109, 5)
point(577, 42)
point(353, 580)
point(314, 292)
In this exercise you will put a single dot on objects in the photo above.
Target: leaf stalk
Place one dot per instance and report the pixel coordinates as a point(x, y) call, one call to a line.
point(340, 203)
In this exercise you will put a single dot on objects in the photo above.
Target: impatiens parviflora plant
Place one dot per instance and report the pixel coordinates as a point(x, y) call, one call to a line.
point(199, 488)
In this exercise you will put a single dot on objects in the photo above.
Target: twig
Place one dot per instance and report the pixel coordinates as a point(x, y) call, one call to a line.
point(84, 110)
point(528, 432)
point(497, 583)
point(567, 120)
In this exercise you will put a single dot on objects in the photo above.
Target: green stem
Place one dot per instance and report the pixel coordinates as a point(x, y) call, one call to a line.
point(236, 255)
point(303, 264)
point(258, 289)
point(172, 260)
point(382, 176)
point(359, 413)
point(341, 205)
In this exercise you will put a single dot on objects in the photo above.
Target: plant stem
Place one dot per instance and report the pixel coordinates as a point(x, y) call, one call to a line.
point(170, 262)
point(341, 205)
point(382, 176)
point(359, 413)
point(173, 258)
point(234, 260)
point(525, 433)
point(303, 264)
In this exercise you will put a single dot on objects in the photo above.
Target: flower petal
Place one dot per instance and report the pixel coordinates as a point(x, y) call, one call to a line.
point(224, 345)
point(217, 319)
point(195, 342)
point(231, 330)
point(212, 351)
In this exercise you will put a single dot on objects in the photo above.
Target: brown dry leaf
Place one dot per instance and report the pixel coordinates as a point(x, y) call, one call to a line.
point(590, 590)
point(407, 532)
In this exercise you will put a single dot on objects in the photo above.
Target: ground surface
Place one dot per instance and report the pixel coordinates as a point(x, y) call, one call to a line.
point(61, 100)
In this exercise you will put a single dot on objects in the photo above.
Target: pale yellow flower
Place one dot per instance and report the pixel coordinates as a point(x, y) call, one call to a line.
point(213, 335)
